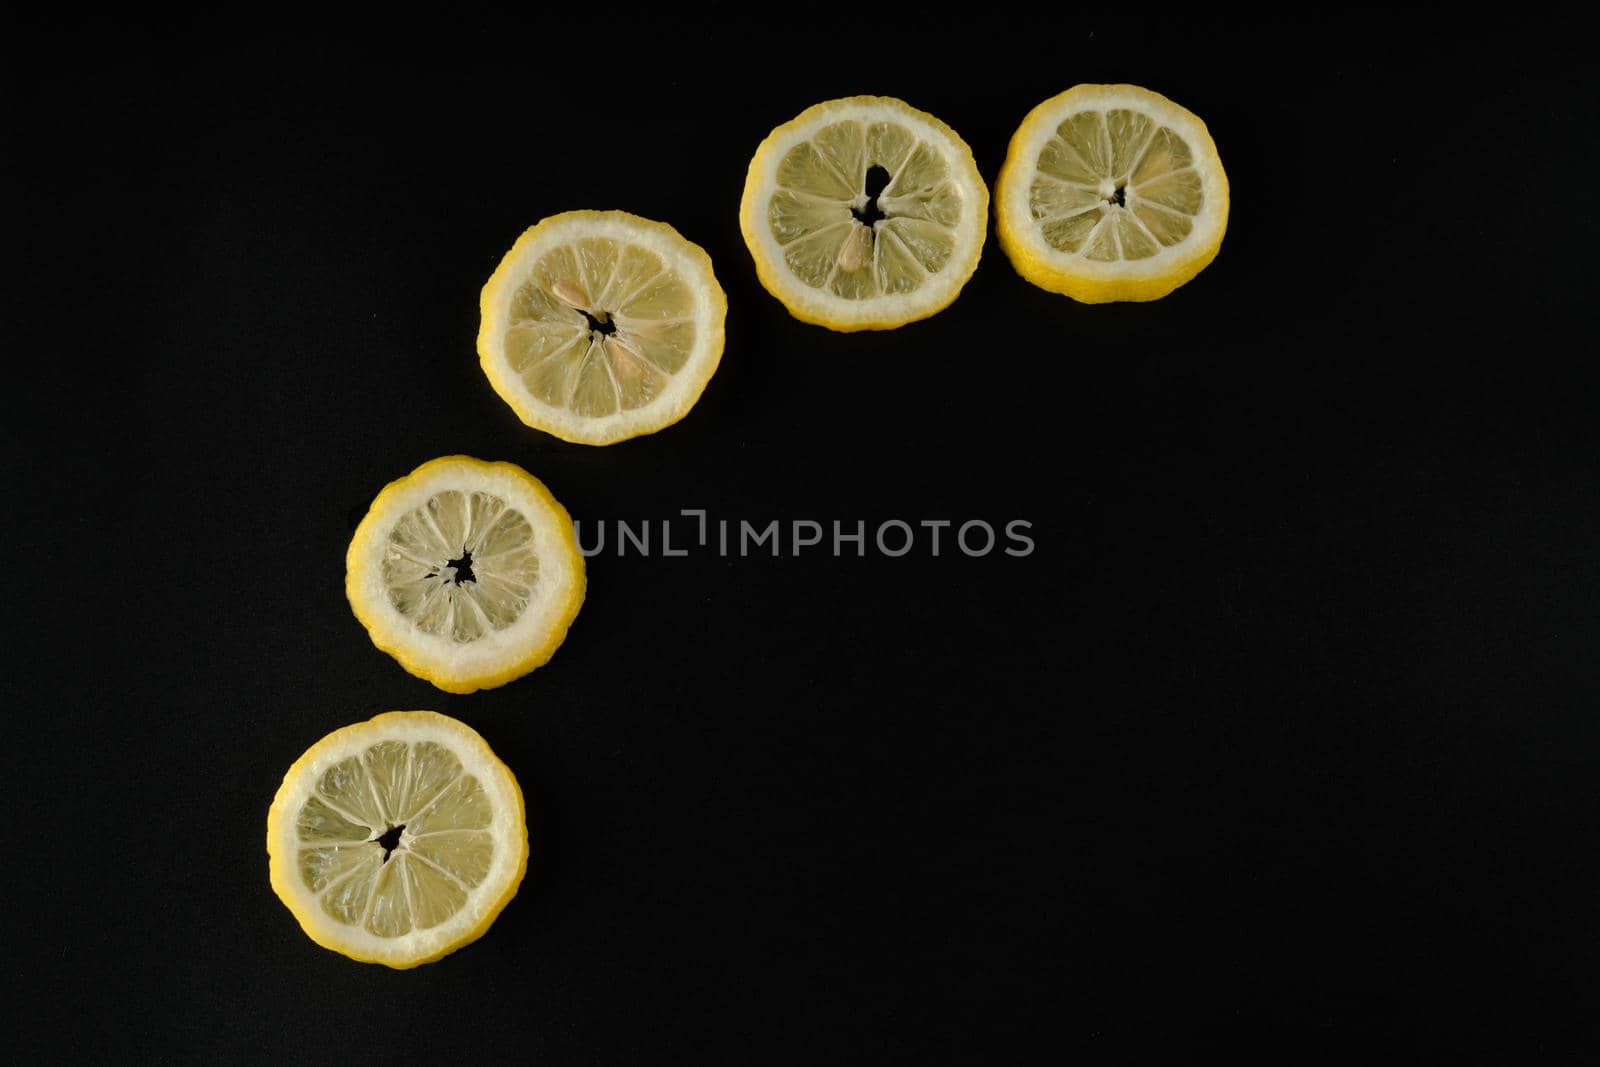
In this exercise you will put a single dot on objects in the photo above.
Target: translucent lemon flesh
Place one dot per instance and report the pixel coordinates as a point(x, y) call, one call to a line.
point(1115, 185)
point(625, 328)
point(442, 852)
point(823, 189)
point(461, 565)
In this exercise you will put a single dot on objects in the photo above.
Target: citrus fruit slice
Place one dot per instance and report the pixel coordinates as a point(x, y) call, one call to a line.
point(1111, 192)
point(600, 325)
point(864, 214)
point(397, 840)
point(466, 572)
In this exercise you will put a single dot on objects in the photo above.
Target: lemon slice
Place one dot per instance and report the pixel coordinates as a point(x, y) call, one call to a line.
point(1111, 192)
point(600, 325)
point(466, 572)
point(397, 840)
point(864, 214)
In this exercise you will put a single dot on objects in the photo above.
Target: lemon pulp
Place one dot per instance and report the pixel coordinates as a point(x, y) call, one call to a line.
point(823, 190)
point(1115, 185)
point(442, 851)
point(599, 327)
point(462, 564)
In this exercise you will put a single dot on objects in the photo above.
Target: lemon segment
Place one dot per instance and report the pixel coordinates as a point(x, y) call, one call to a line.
point(864, 213)
point(599, 326)
point(397, 840)
point(1111, 192)
point(467, 572)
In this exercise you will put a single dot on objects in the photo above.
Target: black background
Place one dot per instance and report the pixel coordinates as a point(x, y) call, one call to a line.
point(1284, 739)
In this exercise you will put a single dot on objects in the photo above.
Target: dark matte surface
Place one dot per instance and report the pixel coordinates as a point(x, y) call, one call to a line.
point(1284, 739)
